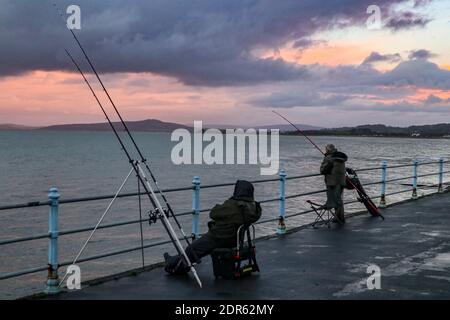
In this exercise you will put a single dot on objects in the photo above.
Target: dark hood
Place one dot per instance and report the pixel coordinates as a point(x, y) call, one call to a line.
point(243, 191)
point(339, 156)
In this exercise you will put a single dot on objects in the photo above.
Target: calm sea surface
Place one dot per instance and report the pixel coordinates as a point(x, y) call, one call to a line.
point(84, 164)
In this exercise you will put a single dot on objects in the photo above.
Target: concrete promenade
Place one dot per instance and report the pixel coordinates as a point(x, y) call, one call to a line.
point(411, 247)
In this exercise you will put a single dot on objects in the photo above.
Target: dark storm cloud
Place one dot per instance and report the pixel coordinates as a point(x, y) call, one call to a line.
point(199, 42)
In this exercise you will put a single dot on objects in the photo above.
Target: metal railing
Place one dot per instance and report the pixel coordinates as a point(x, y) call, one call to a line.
point(54, 203)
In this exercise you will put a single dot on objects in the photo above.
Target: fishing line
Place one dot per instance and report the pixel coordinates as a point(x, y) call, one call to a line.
point(98, 223)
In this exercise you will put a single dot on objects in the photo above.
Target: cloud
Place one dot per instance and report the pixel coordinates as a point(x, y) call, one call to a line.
point(420, 3)
point(353, 87)
point(411, 73)
point(421, 54)
point(203, 43)
point(297, 98)
point(377, 57)
point(419, 73)
point(309, 99)
point(406, 20)
point(433, 100)
point(305, 43)
point(401, 107)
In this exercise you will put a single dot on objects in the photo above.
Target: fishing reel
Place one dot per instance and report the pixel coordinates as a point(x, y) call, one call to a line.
point(154, 214)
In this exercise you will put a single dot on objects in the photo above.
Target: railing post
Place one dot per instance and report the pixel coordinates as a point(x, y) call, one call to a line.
point(414, 193)
point(52, 278)
point(383, 184)
point(281, 229)
point(196, 206)
point(441, 175)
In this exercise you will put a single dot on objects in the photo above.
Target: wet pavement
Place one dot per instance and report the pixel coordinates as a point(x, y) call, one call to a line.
point(411, 248)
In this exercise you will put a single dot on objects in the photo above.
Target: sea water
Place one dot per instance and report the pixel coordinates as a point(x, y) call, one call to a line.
point(86, 164)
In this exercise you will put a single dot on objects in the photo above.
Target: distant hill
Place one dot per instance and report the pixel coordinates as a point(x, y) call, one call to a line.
point(380, 130)
point(10, 126)
point(281, 127)
point(150, 125)
point(441, 130)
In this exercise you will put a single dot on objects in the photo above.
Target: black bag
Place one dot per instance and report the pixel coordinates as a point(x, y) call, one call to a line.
point(223, 264)
point(228, 264)
point(235, 263)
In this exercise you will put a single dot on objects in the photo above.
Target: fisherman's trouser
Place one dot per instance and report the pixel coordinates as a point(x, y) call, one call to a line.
point(195, 251)
point(334, 200)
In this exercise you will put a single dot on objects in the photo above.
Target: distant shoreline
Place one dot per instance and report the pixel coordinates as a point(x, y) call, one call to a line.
point(434, 131)
point(364, 136)
point(281, 133)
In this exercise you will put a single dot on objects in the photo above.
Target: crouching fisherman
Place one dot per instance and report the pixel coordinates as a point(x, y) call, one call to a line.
point(226, 218)
point(333, 168)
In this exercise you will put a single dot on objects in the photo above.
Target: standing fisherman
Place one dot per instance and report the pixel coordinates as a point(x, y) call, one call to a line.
point(333, 168)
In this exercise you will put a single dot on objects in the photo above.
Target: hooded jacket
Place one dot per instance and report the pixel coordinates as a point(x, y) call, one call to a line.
point(240, 209)
point(333, 168)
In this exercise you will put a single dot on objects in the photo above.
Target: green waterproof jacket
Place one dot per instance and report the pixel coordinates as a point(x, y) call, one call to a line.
point(333, 168)
point(230, 215)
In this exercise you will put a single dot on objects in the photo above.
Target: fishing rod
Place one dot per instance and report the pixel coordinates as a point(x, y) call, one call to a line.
point(371, 207)
point(301, 132)
point(143, 159)
point(143, 180)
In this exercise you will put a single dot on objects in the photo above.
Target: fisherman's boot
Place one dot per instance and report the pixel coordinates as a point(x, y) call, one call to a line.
point(167, 256)
point(336, 216)
point(340, 214)
point(171, 263)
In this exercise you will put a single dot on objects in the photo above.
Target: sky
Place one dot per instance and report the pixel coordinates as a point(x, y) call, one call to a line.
point(322, 63)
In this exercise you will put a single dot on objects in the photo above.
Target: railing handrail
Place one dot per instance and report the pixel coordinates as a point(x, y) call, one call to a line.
point(135, 194)
point(169, 190)
point(282, 197)
point(121, 223)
